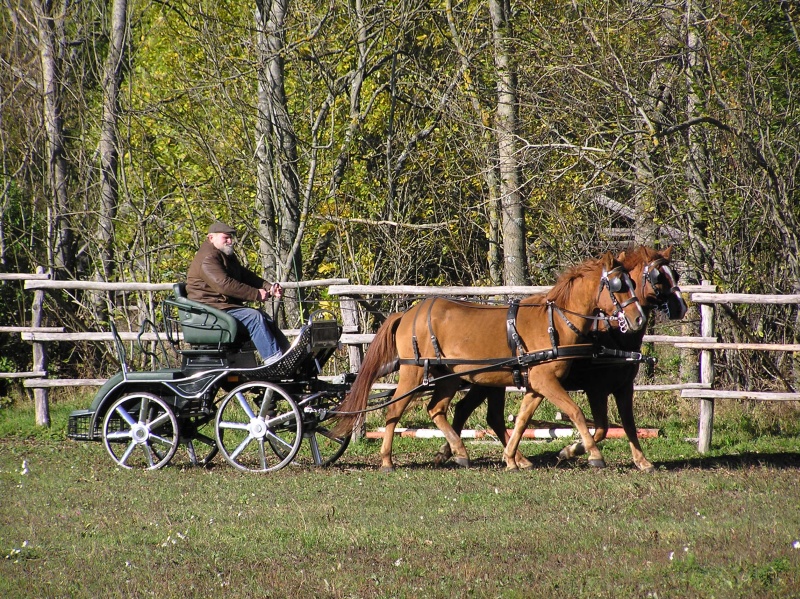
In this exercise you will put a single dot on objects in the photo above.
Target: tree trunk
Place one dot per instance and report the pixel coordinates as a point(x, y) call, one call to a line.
point(696, 191)
point(109, 149)
point(278, 185)
point(61, 251)
point(494, 255)
point(515, 269)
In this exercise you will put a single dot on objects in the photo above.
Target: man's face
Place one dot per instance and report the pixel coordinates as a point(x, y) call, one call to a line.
point(222, 241)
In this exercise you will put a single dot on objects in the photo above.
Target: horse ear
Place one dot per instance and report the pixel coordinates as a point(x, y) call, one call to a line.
point(667, 252)
point(622, 255)
point(608, 260)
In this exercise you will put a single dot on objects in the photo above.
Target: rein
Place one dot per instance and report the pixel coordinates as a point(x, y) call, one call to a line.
point(567, 352)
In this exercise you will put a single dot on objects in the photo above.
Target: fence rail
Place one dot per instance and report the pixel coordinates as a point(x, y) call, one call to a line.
point(352, 296)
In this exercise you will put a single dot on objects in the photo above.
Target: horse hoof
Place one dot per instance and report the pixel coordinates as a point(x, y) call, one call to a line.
point(564, 454)
point(462, 462)
point(649, 468)
point(600, 463)
point(387, 469)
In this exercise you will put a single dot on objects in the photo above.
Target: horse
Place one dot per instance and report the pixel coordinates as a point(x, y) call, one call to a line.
point(657, 289)
point(470, 343)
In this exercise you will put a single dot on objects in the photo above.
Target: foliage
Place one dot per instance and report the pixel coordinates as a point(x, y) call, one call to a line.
point(636, 122)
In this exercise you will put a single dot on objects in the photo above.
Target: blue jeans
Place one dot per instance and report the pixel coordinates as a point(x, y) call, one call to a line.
point(267, 337)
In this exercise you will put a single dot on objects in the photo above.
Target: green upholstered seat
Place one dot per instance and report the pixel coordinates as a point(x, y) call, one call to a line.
point(203, 325)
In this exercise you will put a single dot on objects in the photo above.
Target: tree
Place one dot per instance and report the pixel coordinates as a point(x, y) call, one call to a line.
point(109, 141)
point(52, 46)
point(515, 270)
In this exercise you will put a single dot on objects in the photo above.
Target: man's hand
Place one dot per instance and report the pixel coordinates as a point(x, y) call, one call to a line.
point(274, 291)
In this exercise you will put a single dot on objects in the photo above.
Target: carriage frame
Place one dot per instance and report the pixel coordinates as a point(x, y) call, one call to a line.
point(219, 399)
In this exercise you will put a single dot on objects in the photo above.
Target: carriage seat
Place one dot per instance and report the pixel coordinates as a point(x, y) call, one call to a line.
point(204, 326)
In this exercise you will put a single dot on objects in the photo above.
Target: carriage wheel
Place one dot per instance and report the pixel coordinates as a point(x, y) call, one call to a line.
point(140, 431)
point(197, 435)
point(323, 448)
point(252, 420)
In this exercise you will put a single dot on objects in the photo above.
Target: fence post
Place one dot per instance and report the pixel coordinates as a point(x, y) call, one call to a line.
point(40, 399)
point(349, 308)
point(706, 424)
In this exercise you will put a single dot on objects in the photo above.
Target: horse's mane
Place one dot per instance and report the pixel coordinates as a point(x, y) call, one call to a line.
point(563, 286)
point(633, 256)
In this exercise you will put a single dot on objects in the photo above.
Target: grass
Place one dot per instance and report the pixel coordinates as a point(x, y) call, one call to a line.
point(725, 524)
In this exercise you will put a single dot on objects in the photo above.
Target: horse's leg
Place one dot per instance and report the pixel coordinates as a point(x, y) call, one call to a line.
point(498, 425)
point(551, 388)
point(409, 378)
point(437, 410)
point(624, 398)
point(598, 402)
point(530, 401)
point(464, 407)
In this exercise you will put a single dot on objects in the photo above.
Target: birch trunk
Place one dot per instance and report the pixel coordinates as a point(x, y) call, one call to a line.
point(51, 43)
point(278, 186)
point(515, 263)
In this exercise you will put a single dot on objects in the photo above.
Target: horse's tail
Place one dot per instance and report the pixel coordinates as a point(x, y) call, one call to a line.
point(380, 359)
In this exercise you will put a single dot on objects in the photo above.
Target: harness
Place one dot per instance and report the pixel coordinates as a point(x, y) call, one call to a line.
point(521, 359)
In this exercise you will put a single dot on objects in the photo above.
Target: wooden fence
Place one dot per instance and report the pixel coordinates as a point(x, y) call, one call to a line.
point(352, 299)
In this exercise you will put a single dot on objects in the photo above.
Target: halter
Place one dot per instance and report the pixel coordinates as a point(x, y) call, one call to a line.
point(615, 285)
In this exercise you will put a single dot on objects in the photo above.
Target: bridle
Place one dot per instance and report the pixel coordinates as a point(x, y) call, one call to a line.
point(615, 281)
point(651, 273)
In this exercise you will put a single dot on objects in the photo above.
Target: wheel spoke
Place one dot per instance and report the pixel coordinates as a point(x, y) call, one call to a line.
point(276, 440)
point(191, 452)
point(327, 434)
point(280, 419)
point(312, 441)
point(266, 403)
point(262, 455)
point(241, 447)
point(143, 409)
point(119, 435)
point(162, 440)
point(204, 439)
point(245, 405)
point(237, 426)
point(159, 421)
point(128, 451)
point(148, 452)
point(125, 416)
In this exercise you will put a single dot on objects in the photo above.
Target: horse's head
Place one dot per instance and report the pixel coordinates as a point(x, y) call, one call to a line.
point(657, 281)
point(617, 295)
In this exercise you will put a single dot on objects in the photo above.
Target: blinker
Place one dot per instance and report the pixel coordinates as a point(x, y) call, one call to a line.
point(615, 284)
point(653, 276)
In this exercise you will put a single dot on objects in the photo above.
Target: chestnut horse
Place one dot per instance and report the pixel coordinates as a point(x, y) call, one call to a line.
point(656, 288)
point(469, 343)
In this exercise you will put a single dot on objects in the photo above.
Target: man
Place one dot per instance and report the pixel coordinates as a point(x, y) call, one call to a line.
point(218, 279)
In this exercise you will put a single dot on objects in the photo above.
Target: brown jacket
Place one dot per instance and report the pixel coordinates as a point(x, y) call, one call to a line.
point(221, 281)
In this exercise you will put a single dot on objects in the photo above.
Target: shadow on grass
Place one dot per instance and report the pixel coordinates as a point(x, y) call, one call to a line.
point(783, 461)
point(549, 460)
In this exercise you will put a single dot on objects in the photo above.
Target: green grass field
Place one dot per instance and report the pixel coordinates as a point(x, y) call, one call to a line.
point(725, 524)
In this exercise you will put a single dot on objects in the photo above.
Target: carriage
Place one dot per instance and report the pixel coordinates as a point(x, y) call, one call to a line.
point(266, 412)
point(267, 417)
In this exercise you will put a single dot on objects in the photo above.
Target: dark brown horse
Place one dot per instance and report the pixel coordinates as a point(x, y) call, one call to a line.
point(467, 343)
point(656, 287)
